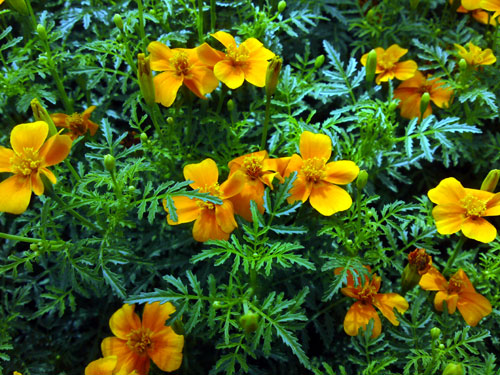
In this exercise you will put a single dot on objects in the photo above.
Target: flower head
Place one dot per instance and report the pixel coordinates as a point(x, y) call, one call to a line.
point(28, 160)
point(368, 296)
point(317, 179)
point(211, 221)
point(179, 66)
point(410, 93)
point(459, 208)
point(459, 293)
point(78, 124)
point(419, 263)
point(388, 65)
point(247, 61)
point(136, 342)
point(476, 56)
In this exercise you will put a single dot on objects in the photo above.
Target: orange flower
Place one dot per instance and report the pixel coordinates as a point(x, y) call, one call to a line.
point(258, 171)
point(317, 179)
point(248, 61)
point(362, 311)
point(136, 343)
point(459, 208)
point(388, 66)
point(211, 221)
point(458, 292)
point(410, 92)
point(473, 7)
point(476, 56)
point(179, 66)
point(29, 158)
point(78, 123)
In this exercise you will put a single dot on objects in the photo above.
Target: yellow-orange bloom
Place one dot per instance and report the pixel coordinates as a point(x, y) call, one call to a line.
point(257, 171)
point(29, 158)
point(248, 61)
point(491, 5)
point(317, 180)
point(368, 297)
point(211, 221)
point(78, 124)
point(410, 93)
point(179, 66)
point(458, 293)
point(460, 208)
point(137, 342)
point(473, 7)
point(476, 56)
point(388, 65)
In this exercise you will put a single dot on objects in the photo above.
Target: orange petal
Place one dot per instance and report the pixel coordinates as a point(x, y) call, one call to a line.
point(236, 163)
point(255, 72)
point(386, 302)
point(52, 178)
point(315, 146)
point(187, 210)
point(233, 185)
point(101, 366)
point(359, 316)
point(160, 56)
point(300, 190)
point(166, 86)
point(395, 52)
point(471, 4)
point(341, 172)
point(405, 69)
point(232, 76)
point(201, 81)
point(123, 321)
point(433, 280)
point(473, 307)
point(226, 39)
point(59, 119)
point(448, 218)
point(126, 357)
point(493, 206)
point(253, 191)
point(479, 229)
point(203, 174)
point(29, 135)
point(36, 183)
point(294, 164)
point(209, 55)
point(166, 351)
point(449, 191)
point(224, 216)
point(440, 96)
point(155, 315)
point(15, 194)
point(206, 228)
point(56, 149)
point(451, 301)
point(5, 155)
point(410, 106)
point(328, 199)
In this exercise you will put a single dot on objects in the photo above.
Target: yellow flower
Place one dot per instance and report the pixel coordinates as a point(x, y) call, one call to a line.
point(491, 5)
point(458, 293)
point(317, 180)
point(473, 7)
point(459, 208)
point(388, 66)
point(248, 61)
point(476, 56)
point(179, 66)
point(78, 124)
point(361, 312)
point(29, 158)
point(211, 221)
point(136, 343)
point(410, 92)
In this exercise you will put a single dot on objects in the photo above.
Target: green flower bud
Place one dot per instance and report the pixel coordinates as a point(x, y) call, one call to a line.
point(34, 247)
point(435, 333)
point(272, 74)
point(109, 163)
point(249, 322)
point(371, 65)
point(170, 120)
point(42, 33)
point(281, 6)
point(145, 78)
point(462, 64)
point(178, 327)
point(409, 278)
point(118, 22)
point(41, 114)
point(424, 103)
point(441, 346)
point(319, 61)
point(362, 179)
point(230, 105)
point(144, 137)
point(453, 369)
point(491, 181)
point(131, 188)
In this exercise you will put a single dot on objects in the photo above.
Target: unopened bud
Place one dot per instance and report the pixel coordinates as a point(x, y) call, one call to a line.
point(319, 61)
point(41, 114)
point(491, 181)
point(362, 179)
point(435, 333)
point(144, 137)
point(249, 322)
point(272, 74)
point(424, 103)
point(145, 78)
point(34, 247)
point(230, 105)
point(419, 263)
point(118, 22)
point(42, 33)
point(453, 369)
point(281, 6)
point(462, 64)
point(19, 6)
point(170, 120)
point(109, 163)
point(371, 65)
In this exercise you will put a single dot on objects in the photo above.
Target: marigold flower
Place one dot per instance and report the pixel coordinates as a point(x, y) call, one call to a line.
point(257, 171)
point(460, 208)
point(179, 66)
point(248, 61)
point(211, 221)
point(473, 7)
point(136, 343)
point(458, 293)
point(476, 56)
point(28, 160)
point(410, 92)
point(317, 179)
point(359, 314)
point(78, 124)
point(388, 66)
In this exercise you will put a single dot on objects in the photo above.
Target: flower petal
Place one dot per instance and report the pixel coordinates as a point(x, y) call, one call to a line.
point(493, 206)
point(386, 302)
point(29, 135)
point(187, 210)
point(5, 155)
point(59, 120)
point(126, 357)
point(226, 39)
point(471, 4)
point(203, 174)
point(405, 70)
point(15, 194)
point(166, 351)
point(328, 199)
point(209, 55)
point(160, 56)
point(232, 76)
point(224, 216)
point(166, 86)
point(359, 316)
point(449, 191)
point(451, 301)
point(433, 280)
point(51, 177)
point(448, 218)
point(101, 366)
point(479, 229)
point(255, 72)
point(315, 146)
point(36, 183)
point(341, 172)
point(256, 50)
point(56, 149)
point(300, 191)
point(155, 315)
point(473, 307)
point(123, 321)
point(394, 53)
point(201, 81)
point(252, 191)
point(233, 185)
point(206, 228)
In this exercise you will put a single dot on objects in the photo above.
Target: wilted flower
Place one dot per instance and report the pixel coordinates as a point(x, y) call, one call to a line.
point(419, 263)
point(78, 124)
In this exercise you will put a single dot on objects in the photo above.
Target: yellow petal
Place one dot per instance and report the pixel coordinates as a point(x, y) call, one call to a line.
point(328, 199)
point(51, 177)
point(224, 216)
point(433, 280)
point(123, 321)
point(294, 164)
point(315, 146)
point(56, 149)
point(448, 218)
point(113, 346)
point(341, 172)
point(101, 366)
point(166, 351)
point(209, 55)
point(29, 135)
point(160, 56)
point(451, 301)
point(226, 39)
point(187, 210)
point(493, 206)
point(479, 229)
point(252, 191)
point(405, 70)
point(15, 194)
point(155, 315)
point(385, 76)
point(255, 72)
point(470, 4)
point(232, 76)
point(166, 86)
point(300, 190)
point(359, 316)
point(206, 228)
point(201, 81)
point(449, 191)
point(5, 155)
point(203, 174)
point(386, 302)
point(395, 52)
point(36, 183)
point(473, 307)
point(233, 185)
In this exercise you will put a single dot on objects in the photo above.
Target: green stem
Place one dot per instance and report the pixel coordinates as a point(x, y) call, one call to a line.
point(76, 214)
point(116, 187)
point(72, 170)
point(32, 14)
point(19, 238)
point(212, 15)
point(266, 123)
point(142, 33)
point(200, 20)
point(453, 256)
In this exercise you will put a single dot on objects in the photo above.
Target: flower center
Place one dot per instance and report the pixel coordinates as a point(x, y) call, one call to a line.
point(239, 55)
point(76, 124)
point(454, 285)
point(213, 190)
point(252, 166)
point(25, 163)
point(367, 293)
point(420, 260)
point(140, 340)
point(180, 63)
point(386, 62)
point(314, 169)
point(474, 206)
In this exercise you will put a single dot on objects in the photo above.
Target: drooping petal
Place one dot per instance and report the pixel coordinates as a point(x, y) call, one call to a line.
point(479, 229)
point(56, 149)
point(405, 70)
point(315, 146)
point(226, 39)
point(59, 120)
point(166, 86)
point(5, 155)
point(359, 316)
point(155, 315)
point(232, 76)
point(451, 301)
point(209, 55)
point(29, 135)
point(448, 218)
point(224, 216)
point(203, 174)
point(449, 191)
point(15, 194)
point(384, 76)
point(51, 177)
point(241, 201)
point(187, 210)
point(433, 280)
point(441, 95)
point(386, 302)
point(341, 172)
point(206, 228)
point(473, 307)
point(233, 185)
point(36, 183)
point(255, 72)
point(102, 366)
point(160, 56)
point(123, 321)
point(294, 164)
point(201, 81)
point(328, 199)
point(166, 351)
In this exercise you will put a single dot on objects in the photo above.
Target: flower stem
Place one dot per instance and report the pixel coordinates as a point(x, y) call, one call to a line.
point(212, 15)
point(453, 256)
point(72, 170)
point(19, 238)
point(266, 123)
point(142, 33)
point(200, 20)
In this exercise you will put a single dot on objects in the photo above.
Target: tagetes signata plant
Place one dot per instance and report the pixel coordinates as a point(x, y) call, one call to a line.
point(211, 221)
point(368, 297)
point(136, 342)
point(317, 179)
point(247, 61)
point(179, 66)
point(459, 293)
point(463, 209)
point(78, 124)
point(410, 93)
point(28, 159)
point(388, 65)
point(475, 56)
